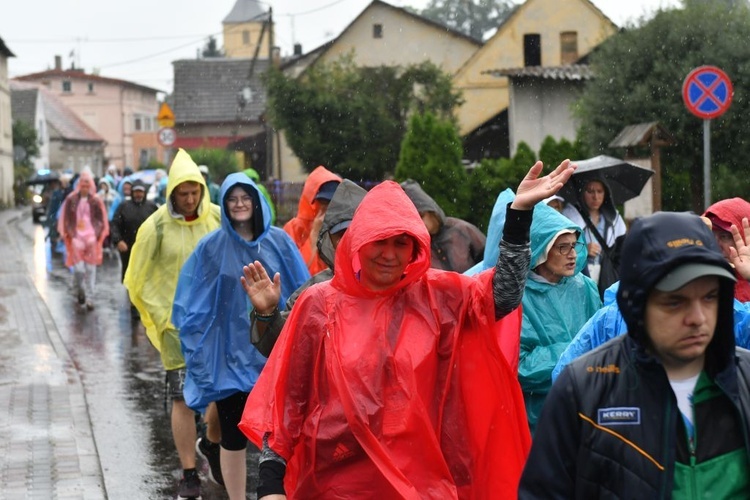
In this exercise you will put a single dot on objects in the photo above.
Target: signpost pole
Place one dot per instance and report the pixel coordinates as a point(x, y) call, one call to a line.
point(707, 92)
point(706, 164)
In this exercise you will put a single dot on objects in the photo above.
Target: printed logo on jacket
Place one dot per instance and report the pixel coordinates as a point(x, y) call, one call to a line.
point(619, 416)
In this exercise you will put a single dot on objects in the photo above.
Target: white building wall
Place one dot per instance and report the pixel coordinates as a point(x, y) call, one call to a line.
point(6, 137)
point(42, 134)
point(539, 108)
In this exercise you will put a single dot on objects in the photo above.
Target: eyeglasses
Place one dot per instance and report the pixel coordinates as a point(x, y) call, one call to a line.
point(245, 200)
point(565, 248)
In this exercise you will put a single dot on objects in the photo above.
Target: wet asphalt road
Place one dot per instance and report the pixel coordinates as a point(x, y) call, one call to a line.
point(122, 377)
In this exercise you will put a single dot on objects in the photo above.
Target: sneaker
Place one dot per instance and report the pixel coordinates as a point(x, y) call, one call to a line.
point(190, 487)
point(81, 297)
point(210, 452)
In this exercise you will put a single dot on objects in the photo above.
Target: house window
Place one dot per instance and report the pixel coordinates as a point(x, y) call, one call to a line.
point(91, 87)
point(67, 86)
point(145, 156)
point(532, 50)
point(246, 37)
point(377, 31)
point(138, 125)
point(568, 47)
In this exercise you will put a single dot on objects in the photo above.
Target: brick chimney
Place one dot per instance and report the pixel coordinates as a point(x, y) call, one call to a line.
point(58, 62)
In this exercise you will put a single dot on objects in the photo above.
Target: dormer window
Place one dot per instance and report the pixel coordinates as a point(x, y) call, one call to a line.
point(67, 86)
point(377, 31)
point(568, 47)
point(532, 50)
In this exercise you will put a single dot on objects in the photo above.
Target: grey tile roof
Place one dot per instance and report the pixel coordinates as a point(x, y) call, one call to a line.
point(206, 90)
point(245, 11)
point(567, 72)
point(641, 134)
point(23, 104)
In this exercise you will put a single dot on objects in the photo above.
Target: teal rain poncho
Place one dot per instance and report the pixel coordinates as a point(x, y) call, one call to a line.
point(552, 313)
point(211, 308)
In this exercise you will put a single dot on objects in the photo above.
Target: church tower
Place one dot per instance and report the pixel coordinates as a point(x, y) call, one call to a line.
point(242, 29)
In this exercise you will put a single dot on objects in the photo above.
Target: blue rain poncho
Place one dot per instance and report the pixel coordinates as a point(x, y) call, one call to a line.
point(211, 309)
point(608, 323)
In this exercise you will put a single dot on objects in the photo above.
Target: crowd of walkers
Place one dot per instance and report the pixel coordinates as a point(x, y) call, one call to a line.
point(376, 347)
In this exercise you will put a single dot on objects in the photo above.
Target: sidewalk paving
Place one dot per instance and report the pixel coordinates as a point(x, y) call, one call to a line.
point(47, 450)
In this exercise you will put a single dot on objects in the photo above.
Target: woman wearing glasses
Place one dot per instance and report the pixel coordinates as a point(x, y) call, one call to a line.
point(211, 311)
point(557, 301)
point(557, 298)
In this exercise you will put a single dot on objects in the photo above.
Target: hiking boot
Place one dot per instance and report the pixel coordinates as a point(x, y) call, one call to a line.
point(81, 297)
point(190, 487)
point(210, 452)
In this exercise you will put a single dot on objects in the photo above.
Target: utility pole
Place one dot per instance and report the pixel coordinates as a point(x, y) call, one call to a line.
point(269, 128)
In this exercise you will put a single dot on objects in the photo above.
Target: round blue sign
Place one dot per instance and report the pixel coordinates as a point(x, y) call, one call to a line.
point(707, 92)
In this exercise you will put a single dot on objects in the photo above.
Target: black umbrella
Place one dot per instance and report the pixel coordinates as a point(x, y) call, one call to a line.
point(625, 180)
point(43, 176)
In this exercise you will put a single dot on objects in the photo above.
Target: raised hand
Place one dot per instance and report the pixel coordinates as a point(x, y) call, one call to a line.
point(534, 189)
point(739, 256)
point(264, 293)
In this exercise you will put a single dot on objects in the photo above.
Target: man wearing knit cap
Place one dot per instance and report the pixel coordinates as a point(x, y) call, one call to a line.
point(662, 411)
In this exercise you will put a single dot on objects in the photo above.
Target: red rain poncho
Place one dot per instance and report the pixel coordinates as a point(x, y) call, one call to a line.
point(398, 393)
point(299, 227)
point(723, 214)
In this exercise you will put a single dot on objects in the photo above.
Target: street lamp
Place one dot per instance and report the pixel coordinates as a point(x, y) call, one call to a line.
point(244, 97)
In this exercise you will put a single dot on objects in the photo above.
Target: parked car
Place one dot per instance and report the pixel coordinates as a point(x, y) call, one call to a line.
point(41, 185)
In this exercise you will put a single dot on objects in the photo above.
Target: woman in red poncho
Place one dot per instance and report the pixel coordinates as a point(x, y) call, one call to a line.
point(723, 214)
point(387, 381)
point(83, 225)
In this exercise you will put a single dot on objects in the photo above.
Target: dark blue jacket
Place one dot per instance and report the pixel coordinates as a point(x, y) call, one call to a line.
point(610, 427)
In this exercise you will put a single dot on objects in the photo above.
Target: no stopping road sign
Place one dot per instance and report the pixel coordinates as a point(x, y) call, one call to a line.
point(707, 92)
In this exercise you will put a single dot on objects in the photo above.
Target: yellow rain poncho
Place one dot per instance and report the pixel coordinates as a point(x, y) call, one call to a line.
point(163, 244)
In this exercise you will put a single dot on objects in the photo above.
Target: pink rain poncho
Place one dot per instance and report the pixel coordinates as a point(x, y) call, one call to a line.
point(83, 224)
point(402, 393)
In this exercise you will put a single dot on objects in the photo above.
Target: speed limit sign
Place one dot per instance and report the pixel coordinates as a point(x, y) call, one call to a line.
point(166, 136)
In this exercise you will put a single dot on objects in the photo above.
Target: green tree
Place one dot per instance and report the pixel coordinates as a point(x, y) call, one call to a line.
point(25, 148)
point(639, 76)
point(493, 176)
point(353, 119)
point(552, 152)
point(472, 17)
point(431, 155)
point(211, 49)
point(220, 162)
